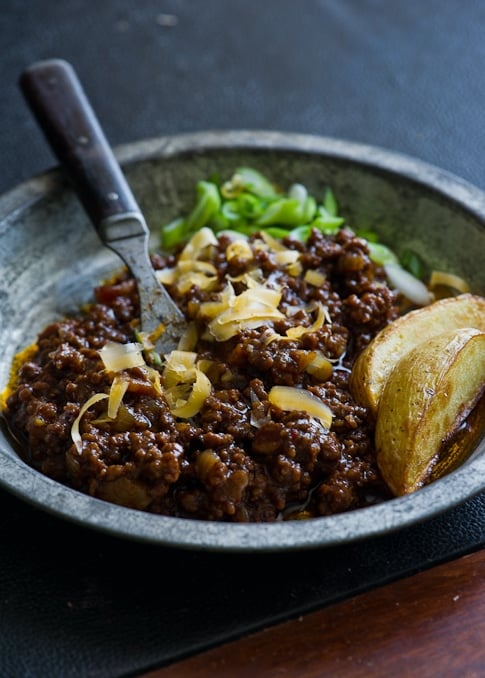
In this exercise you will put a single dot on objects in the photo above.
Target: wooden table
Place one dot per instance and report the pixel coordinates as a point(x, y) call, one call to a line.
point(430, 624)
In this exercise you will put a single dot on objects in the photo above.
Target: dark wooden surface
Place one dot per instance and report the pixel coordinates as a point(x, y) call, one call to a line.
point(430, 624)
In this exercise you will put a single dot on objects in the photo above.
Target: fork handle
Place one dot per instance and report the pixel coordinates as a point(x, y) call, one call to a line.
point(56, 98)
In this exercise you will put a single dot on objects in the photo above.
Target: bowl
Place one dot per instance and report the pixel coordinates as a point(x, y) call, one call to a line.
point(51, 258)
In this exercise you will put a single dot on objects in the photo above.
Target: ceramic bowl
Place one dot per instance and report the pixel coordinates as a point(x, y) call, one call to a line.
point(51, 258)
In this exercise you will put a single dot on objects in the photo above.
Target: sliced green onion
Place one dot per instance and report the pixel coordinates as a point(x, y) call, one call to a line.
point(249, 206)
point(248, 202)
point(288, 212)
point(309, 209)
point(173, 234)
point(256, 183)
point(208, 203)
point(277, 232)
point(219, 222)
point(326, 223)
point(381, 255)
point(301, 233)
point(413, 263)
point(330, 202)
point(370, 236)
point(299, 192)
point(117, 357)
point(230, 212)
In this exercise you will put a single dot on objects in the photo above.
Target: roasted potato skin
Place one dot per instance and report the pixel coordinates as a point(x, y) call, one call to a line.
point(426, 398)
point(375, 364)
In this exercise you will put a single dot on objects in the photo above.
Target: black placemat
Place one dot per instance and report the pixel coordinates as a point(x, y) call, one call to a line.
point(77, 603)
point(402, 75)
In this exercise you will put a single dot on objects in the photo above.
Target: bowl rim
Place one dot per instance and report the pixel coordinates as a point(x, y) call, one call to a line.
point(395, 514)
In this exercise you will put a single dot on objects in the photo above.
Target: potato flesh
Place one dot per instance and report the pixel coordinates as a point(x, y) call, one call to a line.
point(428, 394)
point(376, 362)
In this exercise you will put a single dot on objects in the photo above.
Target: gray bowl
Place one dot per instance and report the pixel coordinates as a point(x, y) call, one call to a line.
point(50, 258)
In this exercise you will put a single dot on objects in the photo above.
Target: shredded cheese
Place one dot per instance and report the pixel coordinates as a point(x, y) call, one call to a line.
point(188, 340)
point(180, 368)
point(295, 333)
point(117, 357)
point(252, 308)
point(299, 331)
point(75, 432)
point(290, 398)
point(118, 389)
point(239, 249)
point(199, 242)
point(186, 385)
point(186, 400)
point(442, 278)
point(190, 270)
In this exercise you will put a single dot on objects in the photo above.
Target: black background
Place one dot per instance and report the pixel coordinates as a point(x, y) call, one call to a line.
point(404, 75)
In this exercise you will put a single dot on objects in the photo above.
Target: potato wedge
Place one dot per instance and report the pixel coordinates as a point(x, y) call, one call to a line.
point(427, 396)
point(375, 363)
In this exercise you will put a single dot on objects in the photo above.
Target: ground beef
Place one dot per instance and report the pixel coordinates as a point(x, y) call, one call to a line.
point(239, 458)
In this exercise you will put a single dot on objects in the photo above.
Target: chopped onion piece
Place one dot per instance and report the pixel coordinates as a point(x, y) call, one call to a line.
point(117, 357)
point(258, 419)
point(290, 398)
point(320, 367)
point(75, 432)
point(314, 277)
point(409, 286)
